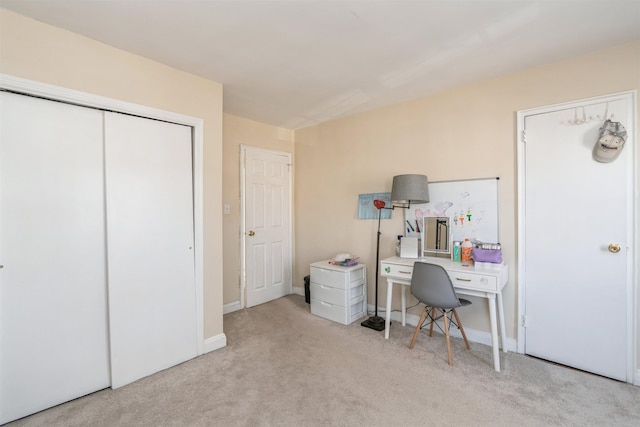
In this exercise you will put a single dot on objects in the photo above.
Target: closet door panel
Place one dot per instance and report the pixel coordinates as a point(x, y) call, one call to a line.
point(150, 239)
point(53, 318)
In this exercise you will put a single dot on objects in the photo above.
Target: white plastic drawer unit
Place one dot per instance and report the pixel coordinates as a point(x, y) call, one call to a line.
point(338, 293)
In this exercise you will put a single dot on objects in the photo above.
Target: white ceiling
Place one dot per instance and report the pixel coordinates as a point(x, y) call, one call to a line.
point(295, 63)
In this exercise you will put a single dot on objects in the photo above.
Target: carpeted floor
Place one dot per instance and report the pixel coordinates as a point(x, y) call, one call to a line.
point(286, 367)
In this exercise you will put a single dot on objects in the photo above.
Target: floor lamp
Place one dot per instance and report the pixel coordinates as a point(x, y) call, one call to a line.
point(406, 189)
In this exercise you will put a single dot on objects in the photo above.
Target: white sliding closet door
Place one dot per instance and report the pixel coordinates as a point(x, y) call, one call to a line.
point(53, 311)
point(150, 246)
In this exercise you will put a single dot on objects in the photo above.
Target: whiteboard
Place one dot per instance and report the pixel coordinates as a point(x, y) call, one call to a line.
point(471, 205)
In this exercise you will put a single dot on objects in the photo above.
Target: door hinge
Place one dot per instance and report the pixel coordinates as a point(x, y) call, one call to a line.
point(524, 136)
point(524, 321)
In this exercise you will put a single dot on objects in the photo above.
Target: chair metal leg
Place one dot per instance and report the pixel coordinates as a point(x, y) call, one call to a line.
point(446, 334)
point(447, 325)
point(455, 313)
point(415, 333)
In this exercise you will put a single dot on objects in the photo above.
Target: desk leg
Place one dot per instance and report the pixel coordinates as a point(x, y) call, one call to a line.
point(404, 306)
point(503, 332)
point(494, 332)
point(387, 317)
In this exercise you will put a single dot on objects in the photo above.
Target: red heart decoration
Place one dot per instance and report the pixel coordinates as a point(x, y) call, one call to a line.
point(379, 204)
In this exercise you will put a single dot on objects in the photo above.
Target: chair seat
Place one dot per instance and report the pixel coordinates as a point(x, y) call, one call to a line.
point(464, 302)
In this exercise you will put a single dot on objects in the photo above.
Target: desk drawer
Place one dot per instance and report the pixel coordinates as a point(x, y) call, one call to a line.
point(478, 282)
point(397, 271)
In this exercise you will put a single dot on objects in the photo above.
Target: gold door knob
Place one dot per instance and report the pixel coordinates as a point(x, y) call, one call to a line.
point(614, 248)
point(252, 233)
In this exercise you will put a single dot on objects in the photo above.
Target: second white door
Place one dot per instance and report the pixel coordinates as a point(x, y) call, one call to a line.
point(577, 292)
point(267, 225)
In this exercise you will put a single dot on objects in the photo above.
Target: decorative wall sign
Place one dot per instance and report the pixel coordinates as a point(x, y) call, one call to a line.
point(366, 209)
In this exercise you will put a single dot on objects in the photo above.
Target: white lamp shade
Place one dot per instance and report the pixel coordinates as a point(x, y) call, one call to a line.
point(410, 189)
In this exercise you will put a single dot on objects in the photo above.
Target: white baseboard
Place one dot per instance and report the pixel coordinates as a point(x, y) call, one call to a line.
point(235, 306)
point(473, 335)
point(636, 381)
point(231, 307)
point(215, 343)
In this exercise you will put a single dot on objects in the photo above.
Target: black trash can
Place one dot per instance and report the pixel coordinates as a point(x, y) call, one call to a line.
point(307, 293)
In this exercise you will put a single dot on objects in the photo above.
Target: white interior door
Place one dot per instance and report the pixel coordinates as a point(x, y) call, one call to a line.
point(53, 318)
point(150, 235)
point(577, 292)
point(267, 225)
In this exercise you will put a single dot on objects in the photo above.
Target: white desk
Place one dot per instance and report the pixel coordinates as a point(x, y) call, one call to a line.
point(467, 280)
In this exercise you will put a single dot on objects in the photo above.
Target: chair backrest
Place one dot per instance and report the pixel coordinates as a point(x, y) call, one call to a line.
point(431, 284)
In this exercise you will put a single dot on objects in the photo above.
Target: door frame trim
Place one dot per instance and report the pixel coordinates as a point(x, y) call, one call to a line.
point(243, 226)
point(70, 96)
point(633, 319)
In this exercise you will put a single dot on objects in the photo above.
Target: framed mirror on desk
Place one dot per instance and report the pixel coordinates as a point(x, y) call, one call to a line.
point(436, 236)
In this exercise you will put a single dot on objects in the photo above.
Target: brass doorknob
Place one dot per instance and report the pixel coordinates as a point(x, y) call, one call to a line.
point(614, 248)
point(252, 233)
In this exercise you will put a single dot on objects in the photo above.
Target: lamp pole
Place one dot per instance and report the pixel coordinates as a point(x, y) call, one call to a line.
point(376, 322)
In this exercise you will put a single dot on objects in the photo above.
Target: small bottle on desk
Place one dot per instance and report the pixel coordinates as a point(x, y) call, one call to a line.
point(456, 251)
point(466, 250)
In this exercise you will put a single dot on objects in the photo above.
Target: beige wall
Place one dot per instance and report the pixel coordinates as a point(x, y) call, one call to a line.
point(468, 132)
point(35, 51)
point(237, 132)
